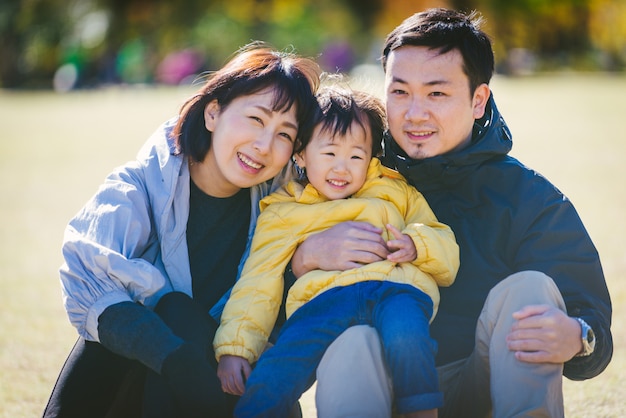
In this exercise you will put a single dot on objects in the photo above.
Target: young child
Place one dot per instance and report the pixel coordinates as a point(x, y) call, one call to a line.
point(397, 296)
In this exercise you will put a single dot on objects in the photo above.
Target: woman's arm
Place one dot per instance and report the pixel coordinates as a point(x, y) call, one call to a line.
point(109, 248)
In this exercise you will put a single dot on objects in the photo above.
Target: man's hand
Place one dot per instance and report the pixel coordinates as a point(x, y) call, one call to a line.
point(344, 246)
point(233, 371)
point(543, 334)
point(402, 246)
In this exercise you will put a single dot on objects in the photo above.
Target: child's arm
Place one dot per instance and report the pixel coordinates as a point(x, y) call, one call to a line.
point(252, 308)
point(437, 250)
point(402, 247)
point(233, 371)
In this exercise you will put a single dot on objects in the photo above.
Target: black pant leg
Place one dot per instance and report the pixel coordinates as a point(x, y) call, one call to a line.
point(89, 382)
point(188, 320)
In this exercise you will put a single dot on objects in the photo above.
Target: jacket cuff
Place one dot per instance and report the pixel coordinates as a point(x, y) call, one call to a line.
point(91, 325)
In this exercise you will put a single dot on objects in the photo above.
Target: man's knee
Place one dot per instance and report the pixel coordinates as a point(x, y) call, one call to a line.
point(526, 288)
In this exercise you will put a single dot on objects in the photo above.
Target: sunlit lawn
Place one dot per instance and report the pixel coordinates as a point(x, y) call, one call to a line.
point(56, 149)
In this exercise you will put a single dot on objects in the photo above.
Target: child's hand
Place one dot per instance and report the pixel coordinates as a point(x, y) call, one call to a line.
point(402, 248)
point(233, 371)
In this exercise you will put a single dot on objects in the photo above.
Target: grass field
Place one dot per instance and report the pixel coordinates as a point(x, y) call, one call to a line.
point(56, 149)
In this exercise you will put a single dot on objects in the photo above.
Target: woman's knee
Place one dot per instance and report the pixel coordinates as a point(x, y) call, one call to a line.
point(187, 318)
point(171, 301)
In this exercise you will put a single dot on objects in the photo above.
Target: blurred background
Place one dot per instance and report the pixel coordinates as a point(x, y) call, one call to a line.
point(70, 44)
point(129, 65)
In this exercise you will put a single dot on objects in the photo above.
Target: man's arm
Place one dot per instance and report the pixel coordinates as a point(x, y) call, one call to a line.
point(556, 242)
point(345, 246)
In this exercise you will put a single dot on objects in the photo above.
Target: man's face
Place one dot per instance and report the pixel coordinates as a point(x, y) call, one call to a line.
point(430, 109)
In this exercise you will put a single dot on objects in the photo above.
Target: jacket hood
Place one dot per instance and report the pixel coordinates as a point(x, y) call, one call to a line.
point(491, 138)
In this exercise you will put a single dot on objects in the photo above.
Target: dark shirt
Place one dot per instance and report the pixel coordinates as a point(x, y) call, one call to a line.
point(217, 232)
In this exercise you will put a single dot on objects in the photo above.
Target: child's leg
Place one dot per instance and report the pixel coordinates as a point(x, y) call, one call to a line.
point(287, 370)
point(401, 317)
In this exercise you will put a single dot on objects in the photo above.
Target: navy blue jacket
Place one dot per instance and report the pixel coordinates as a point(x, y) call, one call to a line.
point(507, 218)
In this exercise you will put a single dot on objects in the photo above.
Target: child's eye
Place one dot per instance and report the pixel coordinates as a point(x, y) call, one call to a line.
point(330, 154)
point(357, 157)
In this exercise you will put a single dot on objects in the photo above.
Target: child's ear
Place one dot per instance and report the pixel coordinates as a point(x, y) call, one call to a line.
point(299, 158)
point(211, 112)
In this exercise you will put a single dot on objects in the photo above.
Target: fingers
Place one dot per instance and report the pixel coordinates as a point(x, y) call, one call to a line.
point(233, 384)
point(544, 334)
point(345, 246)
point(395, 231)
point(534, 357)
point(233, 371)
point(403, 247)
point(531, 310)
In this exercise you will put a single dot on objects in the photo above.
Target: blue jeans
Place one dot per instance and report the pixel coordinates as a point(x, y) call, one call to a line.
point(400, 313)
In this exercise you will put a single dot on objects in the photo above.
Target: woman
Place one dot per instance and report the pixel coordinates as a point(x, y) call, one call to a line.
point(160, 243)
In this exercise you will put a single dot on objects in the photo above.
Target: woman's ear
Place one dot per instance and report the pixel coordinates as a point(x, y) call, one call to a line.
point(481, 96)
point(211, 112)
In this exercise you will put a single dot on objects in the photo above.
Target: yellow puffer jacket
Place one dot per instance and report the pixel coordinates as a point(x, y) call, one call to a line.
point(293, 213)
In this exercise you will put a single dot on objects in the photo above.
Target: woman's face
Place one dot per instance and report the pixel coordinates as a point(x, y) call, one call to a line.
point(250, 144)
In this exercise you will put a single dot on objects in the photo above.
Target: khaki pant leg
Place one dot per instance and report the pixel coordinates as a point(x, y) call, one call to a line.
point(492, 378)
point(352, 380)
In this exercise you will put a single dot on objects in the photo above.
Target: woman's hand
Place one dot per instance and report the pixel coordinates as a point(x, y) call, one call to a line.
point(233, 371)
point(344, 246)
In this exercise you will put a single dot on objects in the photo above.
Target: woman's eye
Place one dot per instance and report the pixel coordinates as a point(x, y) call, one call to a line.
point(257, 119)
point(287, 136)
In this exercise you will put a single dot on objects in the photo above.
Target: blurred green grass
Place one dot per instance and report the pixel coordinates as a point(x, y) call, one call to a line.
point(56, 149)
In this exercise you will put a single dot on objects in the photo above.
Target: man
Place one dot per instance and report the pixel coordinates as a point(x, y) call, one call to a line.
point(530, 303)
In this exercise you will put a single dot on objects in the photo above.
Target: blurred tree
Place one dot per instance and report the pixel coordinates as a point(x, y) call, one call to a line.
point(108, 41)
point(561, 33)
point(30, 32)
point(607, 27)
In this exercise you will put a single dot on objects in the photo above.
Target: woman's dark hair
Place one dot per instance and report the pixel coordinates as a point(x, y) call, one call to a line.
point(253, 68)
point(340, 107)
point(445, 30)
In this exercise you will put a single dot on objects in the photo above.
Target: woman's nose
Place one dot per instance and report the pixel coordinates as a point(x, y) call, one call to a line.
point(263, 143)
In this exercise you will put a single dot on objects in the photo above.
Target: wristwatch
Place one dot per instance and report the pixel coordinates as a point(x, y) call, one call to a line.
point(588, 338)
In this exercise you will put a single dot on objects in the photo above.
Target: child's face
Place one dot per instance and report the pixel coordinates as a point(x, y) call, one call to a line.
point(337, 165)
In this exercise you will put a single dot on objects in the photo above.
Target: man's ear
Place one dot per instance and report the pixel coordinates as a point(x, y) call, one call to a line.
point(211, 112)
point(479, 101)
